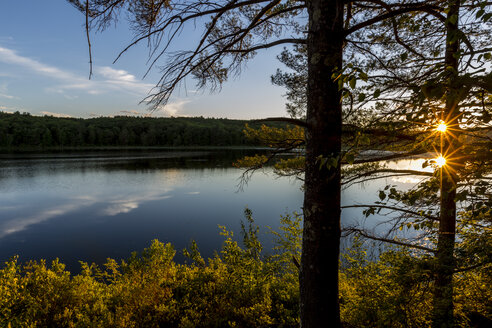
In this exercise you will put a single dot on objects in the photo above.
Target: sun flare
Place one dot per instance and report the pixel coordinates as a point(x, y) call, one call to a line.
point(441, 127)
point(440, 161)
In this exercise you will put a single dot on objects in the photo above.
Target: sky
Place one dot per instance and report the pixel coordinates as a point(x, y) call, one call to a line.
point(44, 70)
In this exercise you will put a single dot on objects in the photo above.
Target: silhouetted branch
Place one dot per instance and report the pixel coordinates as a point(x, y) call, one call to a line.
point(393, 208)
point(88, 36)
point(390, 241)
point(399, 173)
point(423, 7)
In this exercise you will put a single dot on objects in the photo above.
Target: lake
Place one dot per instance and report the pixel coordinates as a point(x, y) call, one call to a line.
point(90, 206)
point(93, 205)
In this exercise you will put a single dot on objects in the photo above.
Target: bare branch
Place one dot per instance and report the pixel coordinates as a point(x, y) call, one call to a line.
point(267, 45)
point(393, 13)
point(88, 36)
point(393, 208)
point(399, 173)
point(390, 241)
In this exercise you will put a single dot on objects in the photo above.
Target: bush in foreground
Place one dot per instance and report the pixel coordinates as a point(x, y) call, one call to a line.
point(238, 287)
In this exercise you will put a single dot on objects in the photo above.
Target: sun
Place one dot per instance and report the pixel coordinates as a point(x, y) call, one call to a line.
point(440, 161)
point(441, 127)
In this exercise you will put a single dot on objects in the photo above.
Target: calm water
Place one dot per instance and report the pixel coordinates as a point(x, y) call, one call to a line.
point(91, 206)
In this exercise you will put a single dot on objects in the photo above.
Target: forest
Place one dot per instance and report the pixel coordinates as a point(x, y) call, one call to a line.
point(24, 131)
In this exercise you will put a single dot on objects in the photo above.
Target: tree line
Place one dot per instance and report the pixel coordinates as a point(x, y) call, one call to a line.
point(22, 130)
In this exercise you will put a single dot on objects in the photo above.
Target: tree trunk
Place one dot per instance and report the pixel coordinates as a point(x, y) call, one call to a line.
point(443, 289)
point(321, 236)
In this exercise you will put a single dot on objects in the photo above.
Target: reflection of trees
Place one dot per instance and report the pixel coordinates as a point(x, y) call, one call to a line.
point(122, 161)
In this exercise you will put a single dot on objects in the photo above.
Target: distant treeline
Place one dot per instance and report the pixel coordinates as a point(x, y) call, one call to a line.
point(18, 131)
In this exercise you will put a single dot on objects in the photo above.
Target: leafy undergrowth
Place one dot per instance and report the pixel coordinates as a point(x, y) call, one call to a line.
point(238, 287)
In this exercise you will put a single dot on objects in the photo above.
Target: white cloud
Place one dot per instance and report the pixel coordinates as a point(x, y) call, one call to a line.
point(10, 57)
point(131, 112)
point(174, 108)
point(55, 114)
point(121, 79)
point(112, 79)
point(116, 74)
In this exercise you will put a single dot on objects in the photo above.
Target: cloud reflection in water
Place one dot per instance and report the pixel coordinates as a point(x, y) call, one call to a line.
point(121, 206)
point(118, 204)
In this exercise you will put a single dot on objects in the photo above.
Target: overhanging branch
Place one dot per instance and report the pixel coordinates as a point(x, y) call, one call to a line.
point(390, 241)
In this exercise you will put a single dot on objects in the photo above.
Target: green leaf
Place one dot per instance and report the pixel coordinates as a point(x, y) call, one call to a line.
point(377, 93)
point(382, 195)
point(404, 56)
point(353, 82)
point(362, 97)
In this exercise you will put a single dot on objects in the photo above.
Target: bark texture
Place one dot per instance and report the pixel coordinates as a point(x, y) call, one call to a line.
point(443, 290)
point(321, 237)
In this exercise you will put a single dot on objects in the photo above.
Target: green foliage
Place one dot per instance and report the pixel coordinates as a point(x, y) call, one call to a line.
point(288, 137)
point(290, 166)
point(395, 290)
point(238, 287)
point(389, 292)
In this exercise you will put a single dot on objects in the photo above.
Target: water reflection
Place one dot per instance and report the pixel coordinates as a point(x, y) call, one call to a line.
point(85, 207)
point(91, 206)
point(17, 224)
point(128, 204)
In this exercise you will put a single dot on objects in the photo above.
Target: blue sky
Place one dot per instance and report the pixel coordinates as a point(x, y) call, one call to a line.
point(44, 70)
